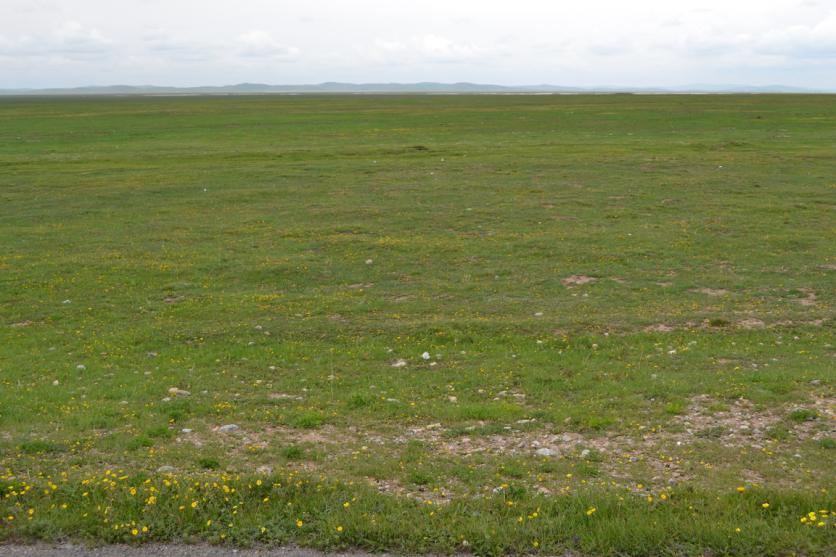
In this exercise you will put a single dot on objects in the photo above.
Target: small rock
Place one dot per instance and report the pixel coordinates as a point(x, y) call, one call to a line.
point(425, 356)
point(66, 302)
point(81, 366)
point(538, 314)
point(174, 391)
point(166, 399)
point(185, 430)
point(55, 383)
point(264, 470)
point(544, 451)
point(399, 363)
point(584, 453)
point(815, 382)
point(228, 428)
point(166, 469)
point(452, 399)
point(369, 261)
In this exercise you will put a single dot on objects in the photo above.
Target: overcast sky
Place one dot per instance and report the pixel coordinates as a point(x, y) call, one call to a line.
point(49, 43)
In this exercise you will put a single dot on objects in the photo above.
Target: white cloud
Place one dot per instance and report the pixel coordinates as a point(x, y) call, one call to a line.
point(423, 49)
point(801, 41)
point(260, 44)
point(637, 43)
point(70, 40)
point(161, 43)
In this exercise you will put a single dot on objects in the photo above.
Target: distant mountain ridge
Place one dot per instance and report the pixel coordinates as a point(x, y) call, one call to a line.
point(421, 87)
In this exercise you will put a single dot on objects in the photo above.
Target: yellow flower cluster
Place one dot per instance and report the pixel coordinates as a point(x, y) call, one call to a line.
point(819, 519)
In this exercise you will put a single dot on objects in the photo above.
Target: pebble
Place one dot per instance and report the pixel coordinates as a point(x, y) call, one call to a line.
point(399, 363)
point(81, 366)
point(425, 356)
point(174, 391)
point(185, 430)
point(166, 469)
point(544, 451)
point(264, 470)
point(228, 428)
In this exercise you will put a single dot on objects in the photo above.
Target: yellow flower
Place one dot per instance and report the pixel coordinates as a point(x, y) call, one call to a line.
point(194, 504)
point(737, 530)
point(258, 482)
point(346, 504)
point(339, 528)
point(209, 522)
point(135, 532)
point(590, 511)
point(132, 491)
point(740, 489)
point(535, 543)
point(299, 523)
point(765, 505)
point(145, 529)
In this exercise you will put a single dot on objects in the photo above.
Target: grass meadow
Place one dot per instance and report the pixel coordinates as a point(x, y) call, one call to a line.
point(482, 324)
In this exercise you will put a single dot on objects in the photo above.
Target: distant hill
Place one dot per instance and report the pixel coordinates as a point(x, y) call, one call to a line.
point(423, 87)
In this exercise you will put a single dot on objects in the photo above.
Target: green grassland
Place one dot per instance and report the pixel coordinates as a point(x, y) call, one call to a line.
point(626, 305)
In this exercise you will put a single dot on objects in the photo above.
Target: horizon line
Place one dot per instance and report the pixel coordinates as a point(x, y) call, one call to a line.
point(416, 87)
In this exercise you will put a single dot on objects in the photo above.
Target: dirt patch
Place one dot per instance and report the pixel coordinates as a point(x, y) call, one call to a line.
point(578, 280)
point(173, 299)
point(716, 292)
point(829, 266)
point(742, 425)
point(21, 324)
point(660, 328)
point(809, 298)
point(751, 323)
